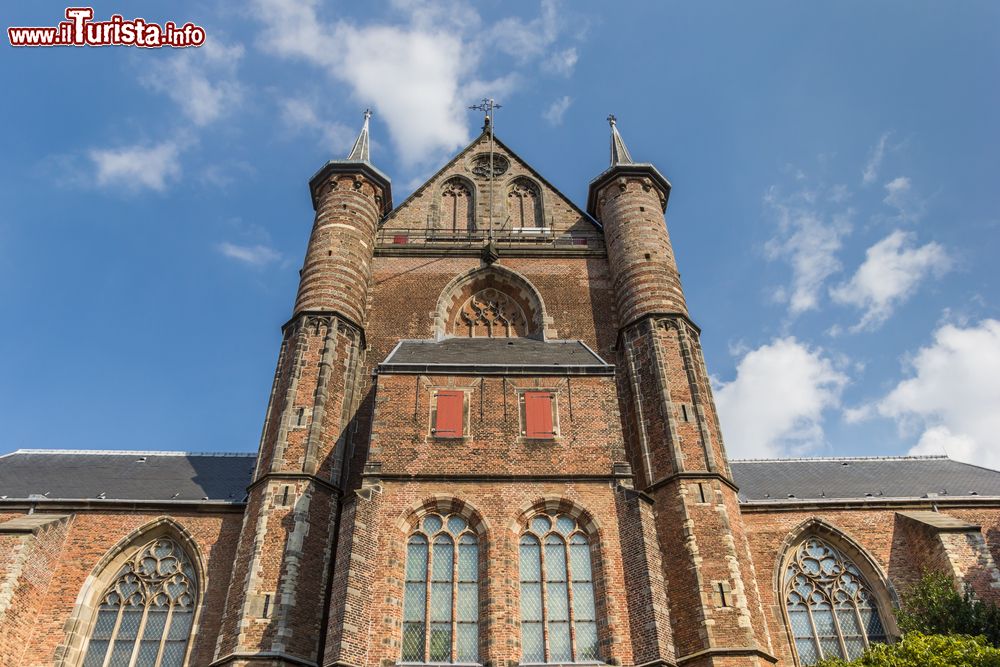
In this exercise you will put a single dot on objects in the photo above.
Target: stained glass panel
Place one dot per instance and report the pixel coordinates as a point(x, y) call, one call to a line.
point(827, 600)
point(530, 559)
point(467, 642)
point(532, 642)
point(413, 642)
point(559, 646)
point(440, 644)
point(567, 576)
point(586, 640)
point(555, 559)
point(157, 582)
point(452, 608)
point(416, 559)
point(442, 566)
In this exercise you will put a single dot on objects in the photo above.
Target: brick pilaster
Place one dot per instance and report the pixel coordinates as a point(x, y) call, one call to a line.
point(277, 599)
point(673, 434)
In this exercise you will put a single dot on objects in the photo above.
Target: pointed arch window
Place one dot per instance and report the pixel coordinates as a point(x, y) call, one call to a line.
point(146, 613)
point(831, 606)
point(441, 597)
point(524, 202)
point(457, 210)
point(558, 617)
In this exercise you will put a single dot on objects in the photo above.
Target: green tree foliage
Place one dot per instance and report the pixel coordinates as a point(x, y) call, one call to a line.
point(933, 606)
point(916, 649)
point(942, 628)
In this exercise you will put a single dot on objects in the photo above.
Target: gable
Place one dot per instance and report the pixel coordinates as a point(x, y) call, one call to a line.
point(455, 200)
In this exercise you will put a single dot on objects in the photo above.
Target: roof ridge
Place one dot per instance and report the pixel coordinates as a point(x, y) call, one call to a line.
point(130, 452)
point(800, 459)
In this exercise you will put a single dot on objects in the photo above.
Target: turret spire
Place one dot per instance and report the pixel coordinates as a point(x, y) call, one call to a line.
point(360, 150)
point(619, 153)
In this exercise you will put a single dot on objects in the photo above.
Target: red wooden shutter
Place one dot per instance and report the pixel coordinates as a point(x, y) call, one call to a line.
point(450, 414)
point(538, 414)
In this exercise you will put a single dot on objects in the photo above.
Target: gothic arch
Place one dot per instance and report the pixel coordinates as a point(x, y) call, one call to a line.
point(883, 593)
point(494, 301)
point(84, 613)
point(443, 504)
point(555, 530)
point(525, 204)
point(455, 206)
point(445, 552)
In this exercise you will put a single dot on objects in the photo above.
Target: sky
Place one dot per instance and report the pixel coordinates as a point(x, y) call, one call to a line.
point(834, 207)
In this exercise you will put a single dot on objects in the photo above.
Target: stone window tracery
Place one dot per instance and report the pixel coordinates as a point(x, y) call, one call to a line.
point(524, 205)
point(490, 313)
point(441, 596)
point(831, 607)
point(146, 613)
point(558, 615)
point(457, 211)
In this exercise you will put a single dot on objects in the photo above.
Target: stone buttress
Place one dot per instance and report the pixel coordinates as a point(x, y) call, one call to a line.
point(275, 608)
point(672, 429)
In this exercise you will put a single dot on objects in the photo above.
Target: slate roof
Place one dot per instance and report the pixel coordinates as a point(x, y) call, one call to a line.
point(496, 356)
point(84, 475)
point(874, 477)
point(144, 476)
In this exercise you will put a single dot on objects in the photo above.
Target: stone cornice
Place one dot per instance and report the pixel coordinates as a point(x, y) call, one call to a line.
point(353, 167)
point(623, 171)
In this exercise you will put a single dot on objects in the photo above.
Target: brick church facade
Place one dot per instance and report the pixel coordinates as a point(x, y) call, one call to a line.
point(491, 440)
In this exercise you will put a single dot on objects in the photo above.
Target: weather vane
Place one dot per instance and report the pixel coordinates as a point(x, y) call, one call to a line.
point(488, 106)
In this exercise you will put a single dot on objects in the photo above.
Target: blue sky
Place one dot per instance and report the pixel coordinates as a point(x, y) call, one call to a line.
point(835, 211)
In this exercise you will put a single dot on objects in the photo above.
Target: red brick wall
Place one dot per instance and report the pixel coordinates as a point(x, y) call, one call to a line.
point(366, 621)
point(589, 440)
point(61, 564)
point(25, 573)
point(900, 549)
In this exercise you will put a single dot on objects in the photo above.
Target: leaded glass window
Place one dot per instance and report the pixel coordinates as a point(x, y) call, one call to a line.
point(145, 615)
point(831, 607)
point(441, 595)
point(558, 618)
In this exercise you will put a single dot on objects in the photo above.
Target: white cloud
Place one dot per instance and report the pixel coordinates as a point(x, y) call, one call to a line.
point(857, 415)
point(561, 62)
point(300, 114)
point(137, 167)
point(953, 395)
point(893, 269)
point(775, 405)
point(420, 77)
point(415, 81)
point(555, 112)
point(526, 40)
point(254, 255)
point(870, 172)
point(808, 239)
point(900, 196)
point(202, 81)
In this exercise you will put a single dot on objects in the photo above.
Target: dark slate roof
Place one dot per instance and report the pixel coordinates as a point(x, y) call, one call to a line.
point(494, 355)
point(876, 478)
point(116, 475)
point(193, 477)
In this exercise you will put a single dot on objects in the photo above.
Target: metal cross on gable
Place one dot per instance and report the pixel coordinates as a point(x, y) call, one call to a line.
point(488, 106)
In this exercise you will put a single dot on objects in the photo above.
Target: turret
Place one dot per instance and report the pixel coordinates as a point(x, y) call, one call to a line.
point(350, 197)
point(274, 612)
point(629, 199)
point(671, 428)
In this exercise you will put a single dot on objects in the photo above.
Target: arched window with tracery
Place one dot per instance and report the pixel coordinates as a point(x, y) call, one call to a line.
point(831, 606)
point(441, 598)
point(524, 204)
point(457, 210)
point(145, 615)
point(491, 313)
point(558, 616)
